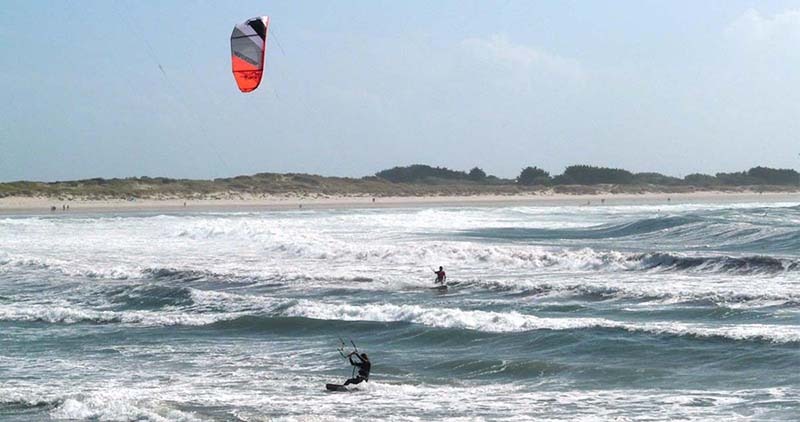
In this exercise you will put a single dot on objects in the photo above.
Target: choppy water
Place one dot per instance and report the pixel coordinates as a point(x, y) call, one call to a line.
point(559, 313)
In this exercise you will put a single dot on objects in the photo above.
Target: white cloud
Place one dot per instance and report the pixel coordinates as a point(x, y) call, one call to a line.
point(753, 27)
point(498, 49)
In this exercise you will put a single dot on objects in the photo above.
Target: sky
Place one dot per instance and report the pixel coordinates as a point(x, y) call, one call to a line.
point(354, 87)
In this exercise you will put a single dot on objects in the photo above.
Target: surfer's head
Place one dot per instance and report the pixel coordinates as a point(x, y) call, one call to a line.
point(364, 356)
point(440, 268)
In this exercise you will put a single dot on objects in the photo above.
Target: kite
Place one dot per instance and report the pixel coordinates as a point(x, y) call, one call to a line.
point(248, 45)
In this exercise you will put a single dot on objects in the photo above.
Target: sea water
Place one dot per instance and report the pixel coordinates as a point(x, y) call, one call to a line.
point(641, 312)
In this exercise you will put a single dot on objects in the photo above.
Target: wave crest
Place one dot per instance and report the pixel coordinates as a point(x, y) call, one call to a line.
point(500, 322)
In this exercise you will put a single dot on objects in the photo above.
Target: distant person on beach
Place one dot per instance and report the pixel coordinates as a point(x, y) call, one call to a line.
point(441, 276)
point(363, 365)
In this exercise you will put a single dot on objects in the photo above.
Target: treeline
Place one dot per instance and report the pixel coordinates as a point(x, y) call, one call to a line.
point(413, 180)
point(420, 173)
point(590, 175)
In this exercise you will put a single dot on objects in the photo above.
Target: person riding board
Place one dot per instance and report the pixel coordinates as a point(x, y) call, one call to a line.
point(441, 277)
point(363, 365)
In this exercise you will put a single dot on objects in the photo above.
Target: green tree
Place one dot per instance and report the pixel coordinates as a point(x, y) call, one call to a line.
point(563, 179)
point(477, 174)
point(699, 179)
point(656, 179)
point(420, 173)
point(771, 176)
point(530, 176)
point(739, 178)
point(590, 175)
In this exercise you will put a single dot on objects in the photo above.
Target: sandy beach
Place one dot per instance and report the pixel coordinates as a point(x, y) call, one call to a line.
point(39, 205)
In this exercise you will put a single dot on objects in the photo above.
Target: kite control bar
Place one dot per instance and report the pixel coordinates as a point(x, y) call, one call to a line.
point(340, 349)
point(342, 346)
point(347, 355)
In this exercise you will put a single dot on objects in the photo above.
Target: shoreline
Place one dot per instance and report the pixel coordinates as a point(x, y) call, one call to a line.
point(39, 205)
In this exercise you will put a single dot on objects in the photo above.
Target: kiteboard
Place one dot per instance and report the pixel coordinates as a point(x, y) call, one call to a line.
point(336, 387)
point(442, 288)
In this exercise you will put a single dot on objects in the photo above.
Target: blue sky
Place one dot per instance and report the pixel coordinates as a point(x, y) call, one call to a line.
point(359, 86)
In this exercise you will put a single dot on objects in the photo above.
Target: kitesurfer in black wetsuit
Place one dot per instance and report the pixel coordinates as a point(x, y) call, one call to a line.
point(363, 365)
point(441, 277)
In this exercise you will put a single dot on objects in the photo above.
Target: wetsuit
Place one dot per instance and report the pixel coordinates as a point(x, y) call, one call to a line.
point(363, 370)
point(440, 276)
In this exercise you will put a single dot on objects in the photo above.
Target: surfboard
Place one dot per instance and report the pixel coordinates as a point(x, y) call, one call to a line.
point(336, 387)
point(440, 288)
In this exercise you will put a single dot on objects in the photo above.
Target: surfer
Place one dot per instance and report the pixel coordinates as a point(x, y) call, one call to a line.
point(363, 365)
point(441, 277)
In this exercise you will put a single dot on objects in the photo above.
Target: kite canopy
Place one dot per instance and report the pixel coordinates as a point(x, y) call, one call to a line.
point(248, 44)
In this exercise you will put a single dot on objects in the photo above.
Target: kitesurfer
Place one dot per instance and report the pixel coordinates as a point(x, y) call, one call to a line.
point(441, 277)
point(363, 365)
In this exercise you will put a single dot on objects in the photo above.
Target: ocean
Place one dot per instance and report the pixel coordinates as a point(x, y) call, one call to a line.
point(636, 312)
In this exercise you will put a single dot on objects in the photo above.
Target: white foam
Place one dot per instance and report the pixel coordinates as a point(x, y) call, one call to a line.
point(59, 314)
point(393, 247)
point(515, 402)
point(120, 404)
point(211, 307)
point(515, 322)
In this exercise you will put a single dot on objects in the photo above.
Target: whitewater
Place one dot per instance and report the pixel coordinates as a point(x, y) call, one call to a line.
point(630, 312)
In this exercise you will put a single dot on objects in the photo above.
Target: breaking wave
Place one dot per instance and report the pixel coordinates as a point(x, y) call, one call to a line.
point(500, 322)
point(245, 311)
point(610, 231)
